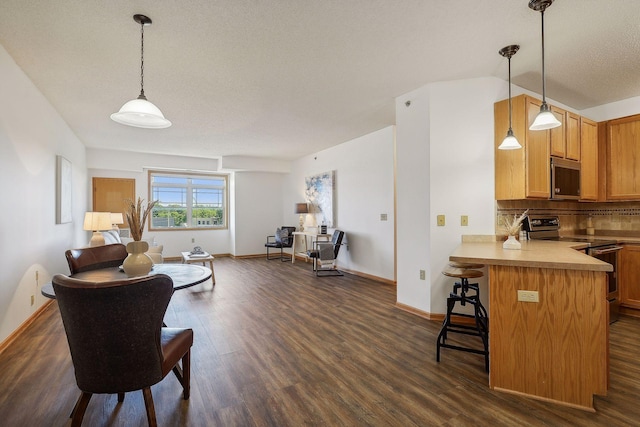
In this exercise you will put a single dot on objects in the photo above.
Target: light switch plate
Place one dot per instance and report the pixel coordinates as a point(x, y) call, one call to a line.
point(440, 219)
point(383, 217)
point(464, 220)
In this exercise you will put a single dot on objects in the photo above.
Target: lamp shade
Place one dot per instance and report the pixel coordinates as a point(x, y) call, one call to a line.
point(302, 208)
point(142, 114)
point(545, 119)
point(116, 218)
point(96, 221)
point(509, 142)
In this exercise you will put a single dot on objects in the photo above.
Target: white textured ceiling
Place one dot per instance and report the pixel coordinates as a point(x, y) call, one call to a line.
point(285, 78)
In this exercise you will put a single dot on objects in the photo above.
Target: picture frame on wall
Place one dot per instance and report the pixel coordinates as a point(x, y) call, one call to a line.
point(320, 193)
point(63, 190)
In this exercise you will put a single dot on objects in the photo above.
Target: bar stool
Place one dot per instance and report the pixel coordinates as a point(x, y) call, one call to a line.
point(465, 293)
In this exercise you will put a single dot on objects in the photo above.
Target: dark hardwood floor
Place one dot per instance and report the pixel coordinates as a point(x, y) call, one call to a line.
point(276, 346)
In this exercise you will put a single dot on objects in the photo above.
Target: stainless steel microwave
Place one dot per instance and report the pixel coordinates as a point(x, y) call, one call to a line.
point(565, 179)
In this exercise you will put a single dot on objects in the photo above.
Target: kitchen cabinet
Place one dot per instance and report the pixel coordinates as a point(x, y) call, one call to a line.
point(623, 158)
point(573, 136)
point(521, 174)
point(558, 136)
point(565, 139)
point(629, 279)
point(589, 159)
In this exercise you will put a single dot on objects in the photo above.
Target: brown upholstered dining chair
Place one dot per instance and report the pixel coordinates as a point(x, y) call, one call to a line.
point(117, 342)
point(96, 257)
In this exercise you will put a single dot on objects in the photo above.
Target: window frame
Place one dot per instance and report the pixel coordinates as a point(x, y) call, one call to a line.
point(189, 207)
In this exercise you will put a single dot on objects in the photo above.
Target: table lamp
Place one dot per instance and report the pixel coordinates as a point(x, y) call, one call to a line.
point(116, 218)
point(302, 209)
point(96, 222)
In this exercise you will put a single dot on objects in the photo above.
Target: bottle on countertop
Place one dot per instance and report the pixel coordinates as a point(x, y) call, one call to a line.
point(590, 229)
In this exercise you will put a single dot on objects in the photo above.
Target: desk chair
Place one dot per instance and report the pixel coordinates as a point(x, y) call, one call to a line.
point(117, 342)
point(325, 254)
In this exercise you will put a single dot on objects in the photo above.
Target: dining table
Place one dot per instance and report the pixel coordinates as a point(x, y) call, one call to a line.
point(183, 276)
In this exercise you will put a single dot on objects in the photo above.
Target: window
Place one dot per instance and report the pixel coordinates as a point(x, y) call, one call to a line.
point(188, 201)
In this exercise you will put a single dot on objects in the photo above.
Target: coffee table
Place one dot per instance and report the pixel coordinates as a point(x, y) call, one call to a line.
point(187, 258)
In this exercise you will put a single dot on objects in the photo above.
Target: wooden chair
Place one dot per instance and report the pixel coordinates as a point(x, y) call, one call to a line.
point(96, 257)
point(283, 238)
point(117, 342)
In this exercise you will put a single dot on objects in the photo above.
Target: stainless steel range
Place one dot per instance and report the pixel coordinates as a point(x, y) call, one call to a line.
point(547, 227)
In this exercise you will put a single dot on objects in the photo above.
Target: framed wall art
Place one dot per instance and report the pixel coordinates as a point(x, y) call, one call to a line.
point(63, 190)
point(320, 193)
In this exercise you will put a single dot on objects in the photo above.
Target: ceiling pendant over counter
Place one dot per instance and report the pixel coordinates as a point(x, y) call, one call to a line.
point(509, 142)
point(545, 118)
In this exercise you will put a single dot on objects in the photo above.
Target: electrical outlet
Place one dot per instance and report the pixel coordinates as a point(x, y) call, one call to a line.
point(528, 296)
point(422, 275)
point(193, 240)
point(33, 299)
point(464, 220)
point(440, 219)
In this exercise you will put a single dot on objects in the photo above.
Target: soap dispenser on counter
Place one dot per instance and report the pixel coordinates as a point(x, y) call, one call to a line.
point(590, 230)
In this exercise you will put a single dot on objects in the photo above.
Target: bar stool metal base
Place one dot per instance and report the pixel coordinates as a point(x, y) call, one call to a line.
point(468, 294)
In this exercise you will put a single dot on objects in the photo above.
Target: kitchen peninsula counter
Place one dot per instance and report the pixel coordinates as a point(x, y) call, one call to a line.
point(534, 253)
point(555, 349)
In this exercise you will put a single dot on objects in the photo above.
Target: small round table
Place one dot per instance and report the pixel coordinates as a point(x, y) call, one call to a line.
point(183, 276)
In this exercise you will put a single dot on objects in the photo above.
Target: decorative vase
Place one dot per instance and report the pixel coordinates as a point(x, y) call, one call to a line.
point(137, 263)
point(512, 243)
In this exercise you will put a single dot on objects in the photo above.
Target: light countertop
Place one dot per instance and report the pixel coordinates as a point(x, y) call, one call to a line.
point(534, 253)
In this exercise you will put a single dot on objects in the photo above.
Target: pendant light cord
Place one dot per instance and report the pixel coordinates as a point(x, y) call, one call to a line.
point(142, 62)
point(544, 98)
point(510, 128)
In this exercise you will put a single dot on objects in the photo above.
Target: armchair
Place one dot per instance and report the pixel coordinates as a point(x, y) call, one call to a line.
point(117, 340)
point(95, 257)
point(325, 254)
point(283, 238)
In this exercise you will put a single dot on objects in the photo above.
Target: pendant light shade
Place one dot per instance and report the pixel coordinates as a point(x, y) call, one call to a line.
point(545, 119)
point(510, 142)
point(139, 112)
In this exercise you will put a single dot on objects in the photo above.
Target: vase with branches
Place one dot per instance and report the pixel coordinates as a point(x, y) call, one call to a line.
point(512, 228)
point(137, 216)
point(137, 263)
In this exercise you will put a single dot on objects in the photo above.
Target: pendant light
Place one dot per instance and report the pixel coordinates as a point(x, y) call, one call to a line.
point(140, 112)
point(509, 142)
point(545, 118)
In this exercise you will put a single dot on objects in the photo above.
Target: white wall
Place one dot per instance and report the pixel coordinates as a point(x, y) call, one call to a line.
point(258, 210)
point(445, 167)
point(364, 190)
point(614, 110)
point(31, 135)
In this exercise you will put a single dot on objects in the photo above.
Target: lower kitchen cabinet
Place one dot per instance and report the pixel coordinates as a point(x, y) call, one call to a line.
point(629, 280)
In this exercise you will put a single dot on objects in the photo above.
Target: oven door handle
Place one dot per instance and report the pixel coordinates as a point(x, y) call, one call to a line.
point(605, 251)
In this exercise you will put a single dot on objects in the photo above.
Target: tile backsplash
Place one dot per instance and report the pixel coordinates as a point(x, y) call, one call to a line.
point(617, 218)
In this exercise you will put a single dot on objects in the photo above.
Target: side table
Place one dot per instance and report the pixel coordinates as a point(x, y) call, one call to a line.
point(187, 258)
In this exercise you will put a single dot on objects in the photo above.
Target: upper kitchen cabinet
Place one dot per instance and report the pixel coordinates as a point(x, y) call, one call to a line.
point(623, 158)
point(521, 174)
point(565, 139)
point(589, 159)
point(573, 136)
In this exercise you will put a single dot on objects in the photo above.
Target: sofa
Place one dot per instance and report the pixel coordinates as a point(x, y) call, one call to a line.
point(154, 252)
